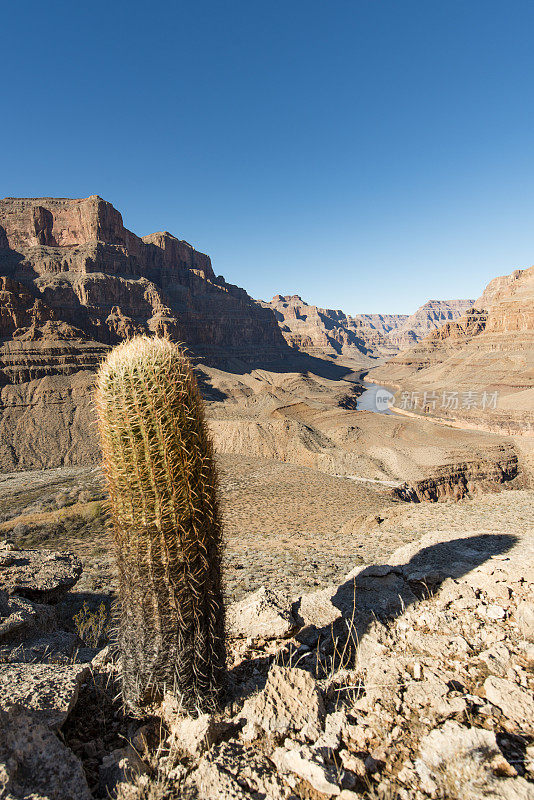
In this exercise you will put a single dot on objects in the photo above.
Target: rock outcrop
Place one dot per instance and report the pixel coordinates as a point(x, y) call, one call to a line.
point(411, 679)
point(34, 763)
point(429, 317)
point(43, 577)
point(39, 681)
point(422, 691)
point(364, 337)
point(73, 282)
point(479, 369)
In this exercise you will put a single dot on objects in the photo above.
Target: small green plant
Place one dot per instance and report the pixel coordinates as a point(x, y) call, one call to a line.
point(92, 626)
point(162, 484)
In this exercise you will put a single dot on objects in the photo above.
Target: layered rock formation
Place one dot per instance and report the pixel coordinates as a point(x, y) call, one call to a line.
point(74, 281)
point(478, 369)
point(325, 331)
point(76, 263)
point(428, 317)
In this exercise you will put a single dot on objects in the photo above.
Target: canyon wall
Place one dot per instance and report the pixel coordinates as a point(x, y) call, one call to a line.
point(479, 369)
point(365, 337)
point(73, 282)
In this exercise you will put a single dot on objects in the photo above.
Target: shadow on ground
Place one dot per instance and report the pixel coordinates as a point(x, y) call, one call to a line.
point(331, 617)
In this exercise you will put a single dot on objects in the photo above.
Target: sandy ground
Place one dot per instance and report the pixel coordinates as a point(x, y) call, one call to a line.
point(283, 523)
point(287, 527)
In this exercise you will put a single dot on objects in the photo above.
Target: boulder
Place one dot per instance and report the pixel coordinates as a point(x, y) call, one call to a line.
point(39, 575)
point(290, 701)
point(264, 614)
point(456, 761)
point(309, 766)
point(34, 763)
point(20, 618)
point(516, 703)
point(231, 771)
point(47, 691)
point(367, 591)
point(57, 647)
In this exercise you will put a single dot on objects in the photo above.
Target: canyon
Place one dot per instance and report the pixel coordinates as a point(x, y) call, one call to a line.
point(74, 281)
point(349, 534)
point(478, 370)
point(364, 337)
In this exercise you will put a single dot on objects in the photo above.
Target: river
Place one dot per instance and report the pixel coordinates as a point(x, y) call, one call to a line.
point(375, 398)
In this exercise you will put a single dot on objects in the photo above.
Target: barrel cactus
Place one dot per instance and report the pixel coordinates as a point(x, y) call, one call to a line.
point(162, 486)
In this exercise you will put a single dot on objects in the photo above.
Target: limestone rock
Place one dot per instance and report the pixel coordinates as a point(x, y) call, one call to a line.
point(47, 691)
point(231, 771)
point(376, 590)
point(290, 701)
point(458, 592)
point(120, 766)
point(34, 763)
point(524, 616)
point(309, 766)
point(497, 659)
point(527, 652)
point(194, 735)
point(334, 726)
point(516, 703)
point(39, 575)
point(431, 694)
point(264, 614)
point(19, 618)
point(383, 681)
point(57, 647)
point(457, 760)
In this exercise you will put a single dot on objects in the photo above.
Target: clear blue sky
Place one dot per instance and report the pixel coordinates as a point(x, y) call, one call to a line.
point(366, 154)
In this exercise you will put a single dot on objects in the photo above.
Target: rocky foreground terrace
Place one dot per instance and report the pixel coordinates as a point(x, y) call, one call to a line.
point(410, 678)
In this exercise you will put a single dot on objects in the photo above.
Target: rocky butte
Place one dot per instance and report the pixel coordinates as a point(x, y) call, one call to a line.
point(73, 282)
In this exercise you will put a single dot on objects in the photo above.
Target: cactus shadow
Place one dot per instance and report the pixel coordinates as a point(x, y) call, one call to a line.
point(383, 592)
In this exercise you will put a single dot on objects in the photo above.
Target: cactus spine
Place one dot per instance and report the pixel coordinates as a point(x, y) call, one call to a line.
point(161, 478)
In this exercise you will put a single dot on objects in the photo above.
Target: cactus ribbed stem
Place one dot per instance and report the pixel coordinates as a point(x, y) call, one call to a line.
point(162, 484)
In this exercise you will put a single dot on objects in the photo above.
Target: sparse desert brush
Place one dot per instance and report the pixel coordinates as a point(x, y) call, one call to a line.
point(162, 484)
point(92, 626)
point(466, 777)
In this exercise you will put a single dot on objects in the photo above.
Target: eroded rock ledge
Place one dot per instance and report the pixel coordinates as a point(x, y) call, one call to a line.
point(411, 679)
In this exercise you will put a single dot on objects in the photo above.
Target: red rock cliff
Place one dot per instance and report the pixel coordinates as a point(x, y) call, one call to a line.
point(73, 281)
